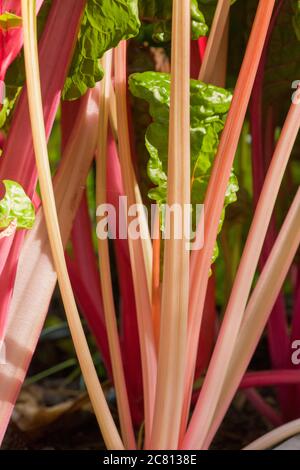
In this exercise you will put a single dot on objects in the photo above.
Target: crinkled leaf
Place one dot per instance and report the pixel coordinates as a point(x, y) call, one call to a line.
point(105, 23)
point(16, 206)
point(156, 17)
point(209, 107)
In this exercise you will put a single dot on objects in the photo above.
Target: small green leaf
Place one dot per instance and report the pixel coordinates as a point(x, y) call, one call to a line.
point(16, 206)
point(9, 20)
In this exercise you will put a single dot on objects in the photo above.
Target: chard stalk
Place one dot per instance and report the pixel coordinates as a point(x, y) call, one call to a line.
point(156, 278)
point(139, 264)
point(105, 420)
point(82, 268)
point(129, 334)
point(11, 39)
point(83, 252)
point(175, 291)
point(261, 156)
point(113, 121)
point(36, 277)
point(217, 76)
point(217, 33)
point(201, 260)
point(104, 263)
point(276, 436)
point(17, 162)
point(224, 348)
point(267, 378)
point(259, 308)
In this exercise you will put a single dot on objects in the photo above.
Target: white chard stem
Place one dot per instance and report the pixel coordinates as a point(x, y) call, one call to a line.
point(175, 288)
point(102, 412)
point(104, 262)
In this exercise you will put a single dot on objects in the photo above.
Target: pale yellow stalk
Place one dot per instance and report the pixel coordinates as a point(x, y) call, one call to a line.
point(276, 436)
point(218, 78)
point(259, 308)
point(156, 301)
point(36, 277)
point(214, 199)
point(175, 288)
point(104, 264)
point(105, 420)
point(214, 42)
point(140, 273)
point(113, 112)
point(216, 374)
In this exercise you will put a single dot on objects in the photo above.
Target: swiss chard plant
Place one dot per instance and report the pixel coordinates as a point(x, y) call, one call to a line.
point(162, 104)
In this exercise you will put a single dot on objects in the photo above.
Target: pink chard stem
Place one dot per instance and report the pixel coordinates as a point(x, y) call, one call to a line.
point(17, 162)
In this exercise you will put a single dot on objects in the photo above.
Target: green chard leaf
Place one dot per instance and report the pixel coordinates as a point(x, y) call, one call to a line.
point(16, 206)
point(105, 23)
point(10, 20)
point(156, 18)
point(209, 107)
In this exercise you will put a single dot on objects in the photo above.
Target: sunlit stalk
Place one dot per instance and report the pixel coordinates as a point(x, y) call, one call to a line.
point(156, 278)
point(36, 278)
point(140, 273)
point(175, 287)
point(276, 437)
point(259, 308)
point(113, 122)
point(219, 74)
point(17, 161)
point(104, 263)
point(215, 38)
point(201, 260)
point(224, 348)
point(108, 428)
